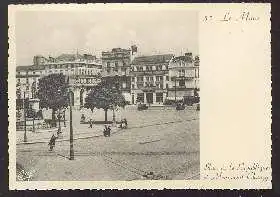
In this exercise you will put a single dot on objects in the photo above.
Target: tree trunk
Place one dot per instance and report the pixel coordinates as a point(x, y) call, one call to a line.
point(53, 118)
point(106, 110)
point(33, 124)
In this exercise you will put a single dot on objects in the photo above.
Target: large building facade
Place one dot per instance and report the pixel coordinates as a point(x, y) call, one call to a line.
point(116, 64)
point(84, 72)
point(184, 77)
point(142, 79)
point(149, 76)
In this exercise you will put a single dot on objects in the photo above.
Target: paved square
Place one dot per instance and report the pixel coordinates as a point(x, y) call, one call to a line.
point(160, 140)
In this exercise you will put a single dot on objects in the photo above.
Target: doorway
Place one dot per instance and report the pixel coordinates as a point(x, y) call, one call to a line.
point(149, 98)
point(132, 99)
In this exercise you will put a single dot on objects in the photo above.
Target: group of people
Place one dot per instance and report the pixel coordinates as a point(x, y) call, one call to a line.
point(106, 131)
point(123, 124)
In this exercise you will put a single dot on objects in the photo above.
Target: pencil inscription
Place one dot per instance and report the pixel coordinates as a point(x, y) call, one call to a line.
point(238, 171)
point(244, 16)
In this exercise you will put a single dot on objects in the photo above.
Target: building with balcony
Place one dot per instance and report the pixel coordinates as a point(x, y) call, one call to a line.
point(184, 77)
point(84, 72)
point(116, 65)
point(149, 77)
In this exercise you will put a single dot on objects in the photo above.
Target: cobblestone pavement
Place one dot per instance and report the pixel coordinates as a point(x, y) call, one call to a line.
point(162, 141)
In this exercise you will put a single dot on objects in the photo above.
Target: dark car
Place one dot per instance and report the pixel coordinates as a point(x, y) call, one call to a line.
point(198, 107)
point(142, 106)
point(180, 106)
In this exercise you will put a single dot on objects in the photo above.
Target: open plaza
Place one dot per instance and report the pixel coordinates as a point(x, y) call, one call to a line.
point(159, 143)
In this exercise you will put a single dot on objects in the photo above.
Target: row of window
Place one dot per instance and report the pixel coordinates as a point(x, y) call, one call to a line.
point(69, 66)
point(141, 97)
point(188, 73)
point(80, 71)
point(180, 64)
point(116, 69)
point(30, 73)
point(149, 68)
point(117, 64)
point(88, 71)
point(60, 69)
point(147, 85)
point(148, 78)
point(86, 81)
point(183, 83)
point(26, 80)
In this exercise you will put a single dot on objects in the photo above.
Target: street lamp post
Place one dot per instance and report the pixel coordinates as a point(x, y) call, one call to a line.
point(33, 122)
point(64, 118)
point(114, 116)
point(175, 90)
point(24, 115)
point(71, 128)
point(59, 117)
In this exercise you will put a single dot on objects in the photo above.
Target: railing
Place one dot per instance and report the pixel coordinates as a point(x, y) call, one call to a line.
point(145, 72)
point(180, 88)
point(182, 78)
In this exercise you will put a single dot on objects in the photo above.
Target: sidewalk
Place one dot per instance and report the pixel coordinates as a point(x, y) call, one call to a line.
point(43, 136)
point(127, 155)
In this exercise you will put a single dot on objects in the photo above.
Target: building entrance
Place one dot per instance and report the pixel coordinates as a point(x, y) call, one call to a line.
point(132, 99)
point(149, 98)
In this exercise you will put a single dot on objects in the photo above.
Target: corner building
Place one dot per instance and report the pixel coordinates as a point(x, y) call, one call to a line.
point(184, 77)
point(116, 66)
point(149, 77)
point(84, 72)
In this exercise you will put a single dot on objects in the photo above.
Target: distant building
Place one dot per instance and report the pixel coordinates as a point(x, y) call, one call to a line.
point(84, 72)
point(149, 77)
point(116, 65)
point(184, 77)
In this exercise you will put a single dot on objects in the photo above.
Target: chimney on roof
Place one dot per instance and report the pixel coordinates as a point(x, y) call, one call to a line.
point(188, 55)
point(133, 49)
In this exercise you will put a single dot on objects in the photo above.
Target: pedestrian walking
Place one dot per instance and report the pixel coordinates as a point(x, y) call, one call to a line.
point(105, 131)
point(83, 118)
point(109, 131)
point(90, 123)
point(52, 142)
point(125, 122)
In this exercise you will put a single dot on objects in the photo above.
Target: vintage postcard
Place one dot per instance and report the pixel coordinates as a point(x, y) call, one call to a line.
point(139, 96)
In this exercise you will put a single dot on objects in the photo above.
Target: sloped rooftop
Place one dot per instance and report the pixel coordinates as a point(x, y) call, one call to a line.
point(182, 58)
point(68, 57)
point(30, 67)
point(152, 59)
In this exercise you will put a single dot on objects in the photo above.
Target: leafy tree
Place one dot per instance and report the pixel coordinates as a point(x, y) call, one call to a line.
point(106, 95)
point(52, 92)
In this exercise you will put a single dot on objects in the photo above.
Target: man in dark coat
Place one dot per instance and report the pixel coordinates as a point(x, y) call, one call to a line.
point(90, 123)
point(52, 142)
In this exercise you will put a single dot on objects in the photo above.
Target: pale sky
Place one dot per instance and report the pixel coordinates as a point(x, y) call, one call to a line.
point(55, 32)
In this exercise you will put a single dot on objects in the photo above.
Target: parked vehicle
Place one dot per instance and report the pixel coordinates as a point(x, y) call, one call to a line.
point(198, 107)
point(180, 106)
point(190, 100)
point(142, 106)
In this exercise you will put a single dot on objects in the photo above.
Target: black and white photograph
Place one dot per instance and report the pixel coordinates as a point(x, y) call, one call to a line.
point(107, 95)
point(139, 96)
